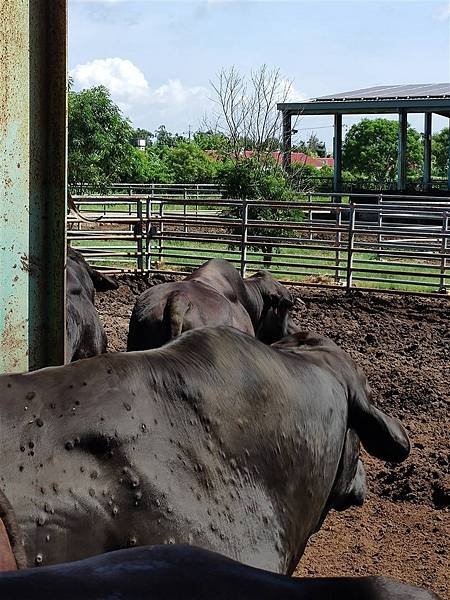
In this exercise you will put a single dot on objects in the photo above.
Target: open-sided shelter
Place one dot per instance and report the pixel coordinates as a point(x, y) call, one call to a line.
point(400, 99)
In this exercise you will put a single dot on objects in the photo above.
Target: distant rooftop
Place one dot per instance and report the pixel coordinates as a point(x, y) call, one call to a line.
point(417, 98)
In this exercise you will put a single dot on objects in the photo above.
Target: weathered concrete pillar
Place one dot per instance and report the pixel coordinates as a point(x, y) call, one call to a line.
point(33, 132)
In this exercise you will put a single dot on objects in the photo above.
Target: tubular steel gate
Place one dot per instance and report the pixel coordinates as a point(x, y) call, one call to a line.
point(396, 243)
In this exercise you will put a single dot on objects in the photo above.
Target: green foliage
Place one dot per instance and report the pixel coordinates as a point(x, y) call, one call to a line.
point(439, 150)
point(163, 138)
point(251, 179)
point(143, 134)
point(315, 147)
point(370, 150)
point(308, 178)
point(145, 167)
point(98, 138)
point(189, 164)
point(312, 147)
point(212, 141)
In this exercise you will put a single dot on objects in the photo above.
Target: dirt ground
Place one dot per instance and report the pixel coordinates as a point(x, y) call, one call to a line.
point(403, 344)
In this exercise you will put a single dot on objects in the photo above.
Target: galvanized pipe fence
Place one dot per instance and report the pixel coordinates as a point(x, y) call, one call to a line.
point(396, 243)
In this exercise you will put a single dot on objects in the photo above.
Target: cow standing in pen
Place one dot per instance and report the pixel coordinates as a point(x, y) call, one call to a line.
point(215, 440)
point(85, 335)
point(214, 294)
point(173, 572)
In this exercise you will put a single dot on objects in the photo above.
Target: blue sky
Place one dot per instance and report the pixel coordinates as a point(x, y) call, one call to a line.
point(158, 57)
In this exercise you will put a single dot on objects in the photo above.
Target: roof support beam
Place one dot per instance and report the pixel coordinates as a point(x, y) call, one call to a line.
point(33, 96)
point(287, 138)
point(337, 153)
point(448, 171)
point(402, 142)
point(427, 133)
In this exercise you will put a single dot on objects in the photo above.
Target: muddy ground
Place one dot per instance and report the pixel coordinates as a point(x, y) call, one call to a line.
point(403, 344)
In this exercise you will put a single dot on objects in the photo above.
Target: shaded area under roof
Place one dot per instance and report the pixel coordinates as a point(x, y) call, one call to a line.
point(414, 98)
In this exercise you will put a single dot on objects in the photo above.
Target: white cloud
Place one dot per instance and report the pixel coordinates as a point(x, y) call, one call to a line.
point(295, 95)
point(172, 103)
point(125, 81)
point(443, 12)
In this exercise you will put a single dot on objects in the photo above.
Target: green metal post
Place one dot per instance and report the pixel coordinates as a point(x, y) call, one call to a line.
point(33, 183)
point(402, 136)
point(337, 155)
point(427, 132)
point(448, 172)
point(287, 139)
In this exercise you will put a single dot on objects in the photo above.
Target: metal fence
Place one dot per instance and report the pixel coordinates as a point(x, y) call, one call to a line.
point(395, 243)
point(184, 190)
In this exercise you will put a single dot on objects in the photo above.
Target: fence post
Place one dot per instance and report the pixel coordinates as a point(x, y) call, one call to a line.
point(444, 249)
point(185, 195)
point(337, 274)
point(148, 229)
point(351, 233)
point(380, 225)
point(130, 193)
point(244, 231)
point(161, 231)
point(310, 227)
point(139, 236)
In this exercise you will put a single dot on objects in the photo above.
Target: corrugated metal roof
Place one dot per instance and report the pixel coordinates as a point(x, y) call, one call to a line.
point(380, 92)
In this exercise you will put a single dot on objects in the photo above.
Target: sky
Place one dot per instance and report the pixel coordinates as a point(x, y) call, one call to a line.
point(158, 58)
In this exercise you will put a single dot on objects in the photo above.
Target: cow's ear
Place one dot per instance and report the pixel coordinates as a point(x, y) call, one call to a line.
point(274, 300)
point(102, 282)
point(382, 436)
point(286, 303)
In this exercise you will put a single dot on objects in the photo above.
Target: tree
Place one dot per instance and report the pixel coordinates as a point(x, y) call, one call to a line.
point(371, 147)
point(189, 164)
point(439, 149)
point(212, 141)
point(99, 138)
point(248, 114)
point(312, 147)
point(164, 138)
point(143, 134)
point(145, 167)
point(249, 119)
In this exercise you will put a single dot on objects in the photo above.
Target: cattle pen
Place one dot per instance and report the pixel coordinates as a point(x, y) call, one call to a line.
point(389, 242)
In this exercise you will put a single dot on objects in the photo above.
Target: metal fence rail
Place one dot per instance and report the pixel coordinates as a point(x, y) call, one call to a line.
point(401, 244)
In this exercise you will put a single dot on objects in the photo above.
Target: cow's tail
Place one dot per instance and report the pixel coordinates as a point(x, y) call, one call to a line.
point(73, 210)
point(176, 308)
point(382, 436)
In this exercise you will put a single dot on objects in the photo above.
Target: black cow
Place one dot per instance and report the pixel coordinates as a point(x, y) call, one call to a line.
point(85, 335)
point(215, 440)
point(214, 294)
point(174, 572)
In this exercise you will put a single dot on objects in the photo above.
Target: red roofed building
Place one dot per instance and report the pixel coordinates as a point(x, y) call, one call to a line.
point(299, 158)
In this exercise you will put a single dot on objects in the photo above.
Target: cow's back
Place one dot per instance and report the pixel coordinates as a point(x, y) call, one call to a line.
point(206, 441)
point(163, 571)
point(165, 311)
